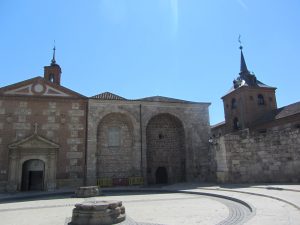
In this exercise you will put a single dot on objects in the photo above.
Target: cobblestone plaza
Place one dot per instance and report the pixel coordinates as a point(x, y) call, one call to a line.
point(181, 204)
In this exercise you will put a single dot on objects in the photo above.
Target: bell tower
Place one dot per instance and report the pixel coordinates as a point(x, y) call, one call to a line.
point(247, 100)
point(52, 73)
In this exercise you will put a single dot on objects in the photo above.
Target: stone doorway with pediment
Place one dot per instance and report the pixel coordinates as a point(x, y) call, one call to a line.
point(32, 164)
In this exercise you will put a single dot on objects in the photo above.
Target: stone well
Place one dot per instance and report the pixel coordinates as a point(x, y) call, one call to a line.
point(98, 213)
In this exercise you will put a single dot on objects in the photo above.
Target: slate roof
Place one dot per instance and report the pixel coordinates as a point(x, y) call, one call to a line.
point(108, 96)
point(245, 84)
point(246, 78)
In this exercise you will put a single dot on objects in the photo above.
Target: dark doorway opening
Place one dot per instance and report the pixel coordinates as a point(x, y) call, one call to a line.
point(35, 180)
point(33, 175)
point(161, 175)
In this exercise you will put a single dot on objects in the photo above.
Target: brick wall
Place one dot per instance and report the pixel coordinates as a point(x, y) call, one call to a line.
point(59, 120)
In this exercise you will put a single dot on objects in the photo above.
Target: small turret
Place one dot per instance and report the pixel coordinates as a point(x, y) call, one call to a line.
point(52, 73)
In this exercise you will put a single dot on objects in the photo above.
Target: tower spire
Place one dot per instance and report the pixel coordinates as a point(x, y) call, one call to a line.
point(53, 61)
point(52, 73)
point(243, 62)
point(243, 68)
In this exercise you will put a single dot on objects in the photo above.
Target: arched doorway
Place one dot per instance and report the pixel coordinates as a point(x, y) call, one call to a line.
point(161, 175)
point(166, 154)
point(33, 172)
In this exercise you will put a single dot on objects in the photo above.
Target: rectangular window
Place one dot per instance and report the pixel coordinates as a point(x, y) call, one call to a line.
point(114, 137)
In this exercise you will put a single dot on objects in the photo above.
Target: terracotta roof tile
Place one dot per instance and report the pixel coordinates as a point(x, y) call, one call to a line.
point(163, 99)
point(108, 96)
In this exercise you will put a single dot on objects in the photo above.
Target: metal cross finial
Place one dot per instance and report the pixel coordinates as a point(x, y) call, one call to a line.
point(241, 47)
point(36, 127)
point(53, 58)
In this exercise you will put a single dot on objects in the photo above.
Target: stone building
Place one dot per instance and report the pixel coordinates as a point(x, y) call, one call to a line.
point(258, 142)
point(42, 134)
point(162, 140)
point(53, 137)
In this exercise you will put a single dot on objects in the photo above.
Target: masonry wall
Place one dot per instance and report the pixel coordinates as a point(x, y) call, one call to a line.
point(132, 157)
point(60, 120)
point(253, 157)
point(165, 148)
point(195, 122)
point(115, 151)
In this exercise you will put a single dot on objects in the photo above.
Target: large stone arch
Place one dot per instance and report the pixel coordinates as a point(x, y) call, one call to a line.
point(166, 154)
point(115, 147)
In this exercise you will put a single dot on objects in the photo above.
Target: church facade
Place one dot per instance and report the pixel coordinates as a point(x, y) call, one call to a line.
point(160, 139)
point(52, 137)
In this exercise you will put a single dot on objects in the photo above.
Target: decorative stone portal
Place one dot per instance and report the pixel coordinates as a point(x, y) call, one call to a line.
point(32, 164)
point(33, 175)
point(98, 213)
point(166, 154)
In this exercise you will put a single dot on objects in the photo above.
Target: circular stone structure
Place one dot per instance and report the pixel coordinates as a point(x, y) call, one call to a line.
point(98, 213)
point(86, 192)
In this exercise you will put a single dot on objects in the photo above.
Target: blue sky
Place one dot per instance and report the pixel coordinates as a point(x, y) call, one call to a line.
point(184, 49)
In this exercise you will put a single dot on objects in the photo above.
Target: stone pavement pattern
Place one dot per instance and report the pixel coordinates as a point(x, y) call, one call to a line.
point(273, 204)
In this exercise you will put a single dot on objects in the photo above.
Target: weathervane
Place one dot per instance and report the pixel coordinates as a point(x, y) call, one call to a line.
point(241, 47)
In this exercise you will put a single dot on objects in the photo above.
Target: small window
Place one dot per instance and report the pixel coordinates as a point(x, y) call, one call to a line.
point(236, 124)
point(233, 103)
point(260, 100)
point(51, 78)
point(114, 137)
point(160, 136)
point(270, 99)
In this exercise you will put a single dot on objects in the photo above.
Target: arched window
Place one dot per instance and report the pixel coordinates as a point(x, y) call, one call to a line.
point(233, 103)
point(236, 124)
point(51, 78)
point(260, 100)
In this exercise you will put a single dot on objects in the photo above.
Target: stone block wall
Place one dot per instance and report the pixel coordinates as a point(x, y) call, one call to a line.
point(131, 157)
point(253, 157)
point(115, 150)
point(165, 149)
point(195, 122)
point(113, 158)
